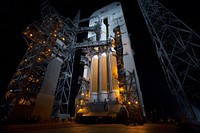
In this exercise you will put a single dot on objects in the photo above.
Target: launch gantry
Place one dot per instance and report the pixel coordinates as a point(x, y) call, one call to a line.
point(41, 86)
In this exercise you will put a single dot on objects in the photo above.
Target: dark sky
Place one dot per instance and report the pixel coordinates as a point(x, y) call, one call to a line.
point(17, 14)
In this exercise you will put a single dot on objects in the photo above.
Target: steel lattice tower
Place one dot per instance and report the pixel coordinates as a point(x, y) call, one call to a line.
point(45, 72)
point(178, 49)
point(42, 82)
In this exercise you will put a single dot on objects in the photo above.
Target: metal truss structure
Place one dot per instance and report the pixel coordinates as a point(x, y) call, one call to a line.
point(55, 37)
point(178, 49)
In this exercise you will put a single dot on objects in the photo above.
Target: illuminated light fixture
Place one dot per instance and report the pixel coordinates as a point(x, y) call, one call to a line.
point(29, 78)
point(121, 89)
point(30, 34)
point(63, 38)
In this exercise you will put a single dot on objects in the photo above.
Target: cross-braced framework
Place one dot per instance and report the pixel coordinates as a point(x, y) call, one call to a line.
point(53, 38)
point(63, 29)
point(178, 49)
point(67, 32)
point(133, 93)
point(42, 83)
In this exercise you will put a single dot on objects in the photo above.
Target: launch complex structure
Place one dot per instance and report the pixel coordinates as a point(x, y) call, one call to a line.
point(109, 89)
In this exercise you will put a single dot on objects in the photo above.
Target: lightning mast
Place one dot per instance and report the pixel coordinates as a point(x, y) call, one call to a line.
point(178, 49)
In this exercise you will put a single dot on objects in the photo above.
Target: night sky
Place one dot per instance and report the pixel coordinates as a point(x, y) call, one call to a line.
point(16, 15)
